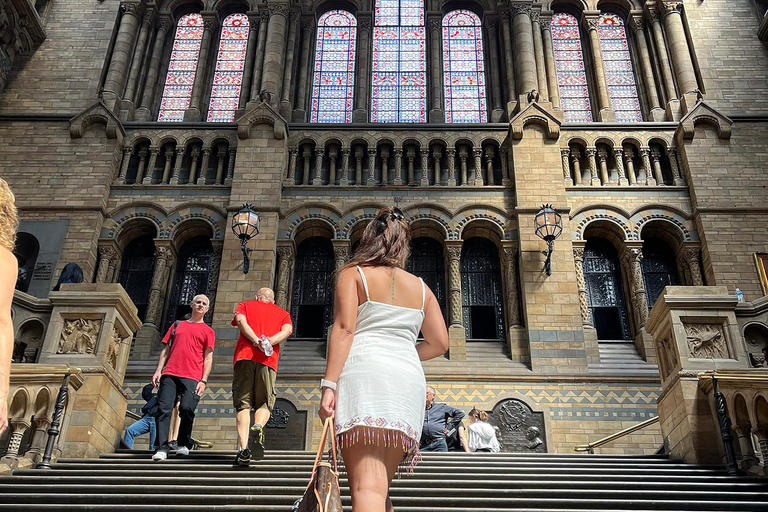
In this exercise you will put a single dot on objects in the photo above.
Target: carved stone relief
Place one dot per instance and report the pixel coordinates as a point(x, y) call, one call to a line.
point(113, 352)
point(79, 336)
point(707, 341)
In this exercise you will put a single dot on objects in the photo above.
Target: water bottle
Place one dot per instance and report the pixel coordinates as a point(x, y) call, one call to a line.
point(266, 346)
point(739, 295)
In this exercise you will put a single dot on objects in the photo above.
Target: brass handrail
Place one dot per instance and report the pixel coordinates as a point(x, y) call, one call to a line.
point(43, 369)
point(590, 447)
point(732, 376)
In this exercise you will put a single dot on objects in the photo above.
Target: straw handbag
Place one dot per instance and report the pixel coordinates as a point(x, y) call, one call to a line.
point(322, 494)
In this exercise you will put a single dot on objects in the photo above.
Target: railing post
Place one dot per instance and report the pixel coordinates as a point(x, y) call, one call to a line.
point(53, 431)
point(725, 429)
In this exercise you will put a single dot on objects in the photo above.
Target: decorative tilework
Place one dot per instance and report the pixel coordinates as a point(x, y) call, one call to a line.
point(230, 62)
point(569, 66)
point(619, 74)
point(463, 68)
point(334, 80)
point(181, 69)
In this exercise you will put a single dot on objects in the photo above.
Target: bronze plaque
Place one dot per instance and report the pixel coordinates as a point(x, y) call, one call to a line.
point(286, 428)
point(518, 428)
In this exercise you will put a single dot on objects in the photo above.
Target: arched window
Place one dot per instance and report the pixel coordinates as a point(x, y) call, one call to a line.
point(569, 66)
point(181, 69)
point(333, 84)
point(399, 81)
point(26, 251)
point(463, 68)
point(428, 262)
point(136, 271)
point(605, 293)
point(193, 276)
point(228, 77)
point(312, 296)
point(659, 269)
point(619, 74)
point(481, 291)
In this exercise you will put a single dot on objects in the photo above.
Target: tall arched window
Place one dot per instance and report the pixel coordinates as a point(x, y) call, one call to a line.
point(482, 297)
point(228, 78)
point(181, 69)
point(605, 292)
point(312, 295)
point(463, 68)
point(569, 66)
point(137, 270)
point(619, 74)
point(193, 276)
point(333, 84)
point(428, 262)
point(659, 269)
point(399, 81)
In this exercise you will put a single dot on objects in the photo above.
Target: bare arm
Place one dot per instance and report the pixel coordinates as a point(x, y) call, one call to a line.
point(207, 365)
point(433, 328)
point(246, 330)
point(8, 274)
point(160, 365)
point(285, 331)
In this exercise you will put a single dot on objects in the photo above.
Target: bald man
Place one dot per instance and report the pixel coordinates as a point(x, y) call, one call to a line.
point(253, 383)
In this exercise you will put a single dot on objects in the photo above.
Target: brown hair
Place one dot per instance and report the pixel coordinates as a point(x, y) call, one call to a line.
point(481, 415)
point(9, 222)
point(385, 242)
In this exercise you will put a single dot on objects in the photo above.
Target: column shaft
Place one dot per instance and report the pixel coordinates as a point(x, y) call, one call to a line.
point(645, 61)
point(661, 49)
point(290, 51)
point(538, 46)
point(253, 33)
point(138, 55)
point(525, 61)
point(549, 61)
point(144, 113)
point(678, 47)
point(493, 48)
point(360, 114)
point(163, 253)
point(513, 297)
point(306, 59)
point(258, 63)
point(604, 102)
point(274, 53)
point(121, 53)
point(284, 265)
point(194, 111)
point(509, 66)
point(437, 115)
point(578, 259)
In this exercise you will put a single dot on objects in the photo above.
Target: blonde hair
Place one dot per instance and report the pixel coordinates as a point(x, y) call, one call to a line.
point(9, 221)
point(480, 415)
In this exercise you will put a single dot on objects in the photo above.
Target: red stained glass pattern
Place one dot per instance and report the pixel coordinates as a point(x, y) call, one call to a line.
point(334, 80)
point(463, 68)
point(569, 66)
point(399, 81)
point(181, 69)
point(230, 61)
point(619, 74)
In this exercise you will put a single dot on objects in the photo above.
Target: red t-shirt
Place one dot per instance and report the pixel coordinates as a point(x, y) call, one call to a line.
point(264, 318)
point(190, 342)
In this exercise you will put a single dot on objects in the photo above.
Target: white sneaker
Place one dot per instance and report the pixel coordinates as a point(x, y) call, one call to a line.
point(160, 455)
point(183, 451)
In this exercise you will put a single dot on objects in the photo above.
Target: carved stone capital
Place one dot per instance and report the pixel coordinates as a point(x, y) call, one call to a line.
point(454, 251)
point(505, 15)
point(671, 8)
point(535, 16)
point(636, 23)
point(653, 15)
point(279, 10)
point(546, 23)
point(493, 23)
point(578, 253)
point(133, 8)
point(591, 22)
point(285, 251)
point(107, 251)
point(435, 24)
point(520, 8)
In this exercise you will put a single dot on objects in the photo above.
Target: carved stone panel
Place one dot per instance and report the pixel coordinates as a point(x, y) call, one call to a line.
point(707, 341)
point(113, 352)
point(79, 336)
point(286, 428)
point(519, 428)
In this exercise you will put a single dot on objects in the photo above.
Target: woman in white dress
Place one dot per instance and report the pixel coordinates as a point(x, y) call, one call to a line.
point(482, 435)
point(374, 384)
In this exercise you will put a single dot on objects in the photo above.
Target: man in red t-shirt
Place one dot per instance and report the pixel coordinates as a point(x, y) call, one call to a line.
point(182, 371)
point(253, 384)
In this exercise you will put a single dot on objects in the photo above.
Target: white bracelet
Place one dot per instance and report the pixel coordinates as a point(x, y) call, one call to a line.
point(327, 384)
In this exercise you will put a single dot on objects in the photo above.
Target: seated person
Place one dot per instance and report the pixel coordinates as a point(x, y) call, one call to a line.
point(147, 421)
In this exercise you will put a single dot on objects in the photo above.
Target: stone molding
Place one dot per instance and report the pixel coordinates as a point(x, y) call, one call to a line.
point(96, 113)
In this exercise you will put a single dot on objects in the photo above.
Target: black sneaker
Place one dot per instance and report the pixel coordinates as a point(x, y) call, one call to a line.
point(256, 443)
point(173, 445)
point(243, 457)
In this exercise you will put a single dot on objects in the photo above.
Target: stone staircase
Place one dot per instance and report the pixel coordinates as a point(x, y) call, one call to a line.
point(620, 356)
point(206, 481)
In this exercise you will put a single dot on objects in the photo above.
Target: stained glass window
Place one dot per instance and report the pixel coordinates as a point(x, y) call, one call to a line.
point(619, 74)
point(569, 65)
point(333, 84)
point(463, 71)
point(230, 62)
point(399, 81)
point(181, 69)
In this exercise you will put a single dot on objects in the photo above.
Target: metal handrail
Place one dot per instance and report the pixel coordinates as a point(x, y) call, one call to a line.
point(590, 447)
point(732, 376)
point(58, 412)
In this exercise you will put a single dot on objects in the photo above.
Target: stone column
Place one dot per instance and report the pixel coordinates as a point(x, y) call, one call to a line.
point(661, 48)
point(603, 159)
point(107, 255)
point(319, 154)
point(656, 164)
point(478, 171)
point(360, 115)
point(39, 438)
point(637, 25)
point(436, 114)
point(489, 153)
point(456, 333)
point(506, 177)
point(18, 427)
point(194, 154)
point(218, 249)
point(340, 253)
point(693, 259)
point(274, 53)
point(293, 154)
point(645, 153)
point(549, 60)
point(306, 177)
point(463, 165)
point(210, 23)
point(604, 102)
point(204, 166)
point(144, 112)
point(411, 155)
point(618, 156)
point(138, 56)
point(258, 63)
point(153, 152)
point(293, 29)
point(630, 167)
point(359, 166)
point(743, 433)
point(332, 155)
point(385, 166)
point(220, 157)
point(576, 162)
point(633, 257)
point(509, 66)
point(525, 61)
point(564, 154)
point(123, 172)
point(762, 441)
point(300, 110)
point(164, 259)
point(168, 166)
point(142, 167)
point(493, 48)
point(672, 154)
point(424, 154)
point(437, 154)
point(595, 179)
point(578, 259)
point(286, 257)
point(122, 52)
point(344, 181)
point(513, 295)
point(254, 21)
point(538, 48)
point(371, 181)
point(232, 154)
point(177, 166)
point(680, 53)
point(451, 154)
point(398, 167)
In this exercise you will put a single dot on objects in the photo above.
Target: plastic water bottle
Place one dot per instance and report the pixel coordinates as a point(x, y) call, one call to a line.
point(739, 295)
point(266, 346)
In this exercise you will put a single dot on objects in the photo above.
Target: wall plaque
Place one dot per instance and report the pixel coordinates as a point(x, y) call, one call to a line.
point(286, 428)
point(519, 428)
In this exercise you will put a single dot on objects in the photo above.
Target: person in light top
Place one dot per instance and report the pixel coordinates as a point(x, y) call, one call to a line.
point(482, 435)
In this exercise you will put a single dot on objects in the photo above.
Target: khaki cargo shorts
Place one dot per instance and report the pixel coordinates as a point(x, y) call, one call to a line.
point(253, 386)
